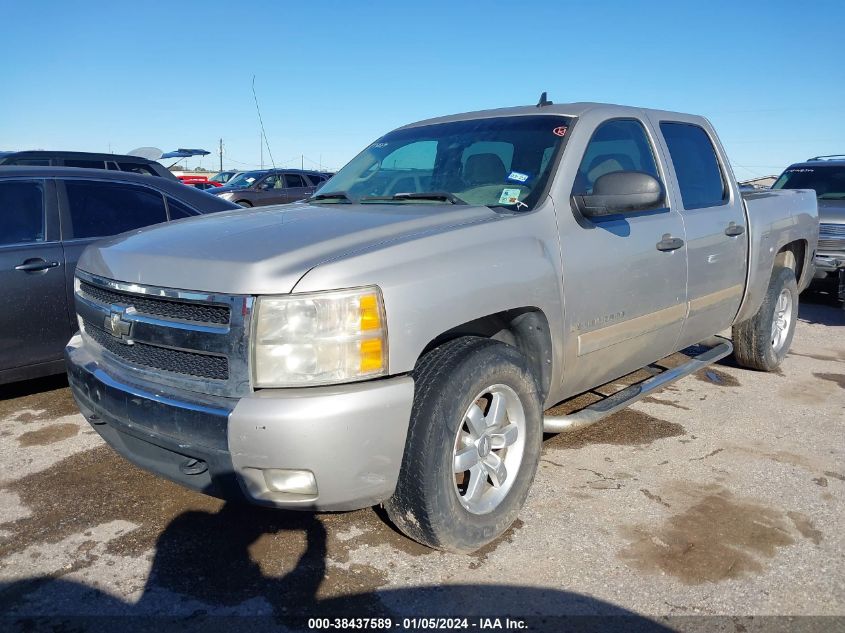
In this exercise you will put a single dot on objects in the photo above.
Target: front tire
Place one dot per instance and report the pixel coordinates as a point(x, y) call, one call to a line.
point(762, 341)
point(244, 203)
point(472, 448)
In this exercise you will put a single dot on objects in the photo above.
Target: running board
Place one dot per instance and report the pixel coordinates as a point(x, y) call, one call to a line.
point(715, 348)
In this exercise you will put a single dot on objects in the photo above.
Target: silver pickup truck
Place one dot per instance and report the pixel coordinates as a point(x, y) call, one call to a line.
point(397, 338)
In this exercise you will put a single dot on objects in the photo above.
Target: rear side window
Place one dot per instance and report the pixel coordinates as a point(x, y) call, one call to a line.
point(295, 180)
point(21, 212)
point(136, 168)
point(178, 210)
point(316, 180)
point(85, 164)
point(106, 208)
point(696, 166)
point(619, 145)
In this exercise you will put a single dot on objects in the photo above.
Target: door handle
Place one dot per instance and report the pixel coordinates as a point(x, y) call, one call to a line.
point(669, 243)
point(36, 265)
point(734, 229)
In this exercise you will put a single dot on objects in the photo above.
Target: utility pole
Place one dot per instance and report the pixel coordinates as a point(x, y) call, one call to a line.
point(302, 161)
point(221, 154)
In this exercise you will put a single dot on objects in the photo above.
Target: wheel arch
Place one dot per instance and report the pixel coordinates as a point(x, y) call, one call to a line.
point(525, 328)
point(793, 255)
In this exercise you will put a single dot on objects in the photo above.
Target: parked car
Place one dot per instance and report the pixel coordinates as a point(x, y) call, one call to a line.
point(826, 176)
point(48, 215)
point(193, 179)
point(397, 339)
point(204, 186)
point(86, 160)
point(223, 177)
point(270, 186)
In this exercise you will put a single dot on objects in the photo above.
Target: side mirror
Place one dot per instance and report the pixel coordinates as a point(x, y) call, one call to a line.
point(621, 192)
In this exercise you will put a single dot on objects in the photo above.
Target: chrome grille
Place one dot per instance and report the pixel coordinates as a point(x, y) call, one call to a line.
point(189, 340)
point(167, 308)
point(831, 236)
point(172, 360)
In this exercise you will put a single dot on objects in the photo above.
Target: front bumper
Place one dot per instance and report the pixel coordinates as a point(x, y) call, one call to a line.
point(828, 263)
point(351, 437)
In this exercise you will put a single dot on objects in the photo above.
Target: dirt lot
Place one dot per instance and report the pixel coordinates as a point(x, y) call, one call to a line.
point(724, 494)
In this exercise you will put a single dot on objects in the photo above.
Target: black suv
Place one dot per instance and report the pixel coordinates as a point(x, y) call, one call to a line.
point(87, 160)
point(48, 215)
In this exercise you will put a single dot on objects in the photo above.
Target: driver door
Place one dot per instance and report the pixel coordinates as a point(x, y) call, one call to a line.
point(625, 299)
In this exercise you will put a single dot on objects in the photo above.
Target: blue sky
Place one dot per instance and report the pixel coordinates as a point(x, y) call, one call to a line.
point(333, 76)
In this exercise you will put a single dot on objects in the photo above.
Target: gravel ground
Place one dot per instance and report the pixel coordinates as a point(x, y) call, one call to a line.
point(722, 495)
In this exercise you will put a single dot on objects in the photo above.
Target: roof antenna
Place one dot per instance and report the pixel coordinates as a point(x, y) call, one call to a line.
point(543, 101)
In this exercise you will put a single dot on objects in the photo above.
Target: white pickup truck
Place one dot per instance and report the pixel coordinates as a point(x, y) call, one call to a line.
point(397, 338)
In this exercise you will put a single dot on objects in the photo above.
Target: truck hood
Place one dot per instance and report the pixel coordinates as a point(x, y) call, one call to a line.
point(832, 211)
point(264, 250)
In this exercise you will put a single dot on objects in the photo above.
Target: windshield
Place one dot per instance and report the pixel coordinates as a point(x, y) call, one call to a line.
point(223, 176)
point(503, 161)
point(245, 178)
point(827, 180)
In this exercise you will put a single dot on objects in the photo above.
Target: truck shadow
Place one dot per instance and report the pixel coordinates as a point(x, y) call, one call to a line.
point(210, 557)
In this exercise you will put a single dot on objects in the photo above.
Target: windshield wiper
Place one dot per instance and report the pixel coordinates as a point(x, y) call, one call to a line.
point(422, 195)
point(332, 195)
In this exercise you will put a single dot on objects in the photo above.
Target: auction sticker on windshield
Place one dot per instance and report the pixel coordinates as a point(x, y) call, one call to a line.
point(509, 196)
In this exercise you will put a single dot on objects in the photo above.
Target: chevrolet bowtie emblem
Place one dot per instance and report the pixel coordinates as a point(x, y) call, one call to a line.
point(117, 326)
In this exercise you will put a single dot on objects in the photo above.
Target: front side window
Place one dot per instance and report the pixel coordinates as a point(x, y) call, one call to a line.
point(828, 181)
point(21, 212)
point(105, 208)
point(276, 181)
point(696, 166)
point(619, 145)
point(497, 162)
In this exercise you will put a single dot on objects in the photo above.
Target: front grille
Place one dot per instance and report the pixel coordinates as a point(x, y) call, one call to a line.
point(160, 307)
point(162, 358)
point(832, 236)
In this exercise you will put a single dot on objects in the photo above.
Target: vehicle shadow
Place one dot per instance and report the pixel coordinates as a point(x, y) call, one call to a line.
point(820, 307)
point(215, 558)
point(33, 386)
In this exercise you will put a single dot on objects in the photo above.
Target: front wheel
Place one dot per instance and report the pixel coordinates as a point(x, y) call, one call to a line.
point(472, 448)
point(762, 341)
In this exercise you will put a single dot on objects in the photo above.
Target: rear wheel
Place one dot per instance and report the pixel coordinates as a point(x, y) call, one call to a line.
point(472, 448)
point(762, 341)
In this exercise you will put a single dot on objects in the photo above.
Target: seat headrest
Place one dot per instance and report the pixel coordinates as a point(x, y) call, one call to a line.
point(484, 169)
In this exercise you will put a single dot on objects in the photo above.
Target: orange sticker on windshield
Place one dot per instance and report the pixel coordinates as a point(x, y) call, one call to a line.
point(560, 130)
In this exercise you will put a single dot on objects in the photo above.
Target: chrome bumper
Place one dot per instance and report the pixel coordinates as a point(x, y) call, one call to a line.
point(351, 437)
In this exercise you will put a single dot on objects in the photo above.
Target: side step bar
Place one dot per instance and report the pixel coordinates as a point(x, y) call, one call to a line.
point(706, 353)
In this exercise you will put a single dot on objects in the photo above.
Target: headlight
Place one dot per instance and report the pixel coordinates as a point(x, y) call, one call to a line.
point(228, 195)
point(319, 338)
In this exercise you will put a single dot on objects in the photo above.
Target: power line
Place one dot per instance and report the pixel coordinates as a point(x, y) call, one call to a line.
point(261, 122)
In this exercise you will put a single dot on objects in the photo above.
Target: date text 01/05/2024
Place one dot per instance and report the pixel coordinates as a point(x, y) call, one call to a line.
point(412, 624)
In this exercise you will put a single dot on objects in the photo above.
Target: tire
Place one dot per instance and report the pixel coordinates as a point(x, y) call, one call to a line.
point(762, 341)
point(244, 203)
point(456, 386)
